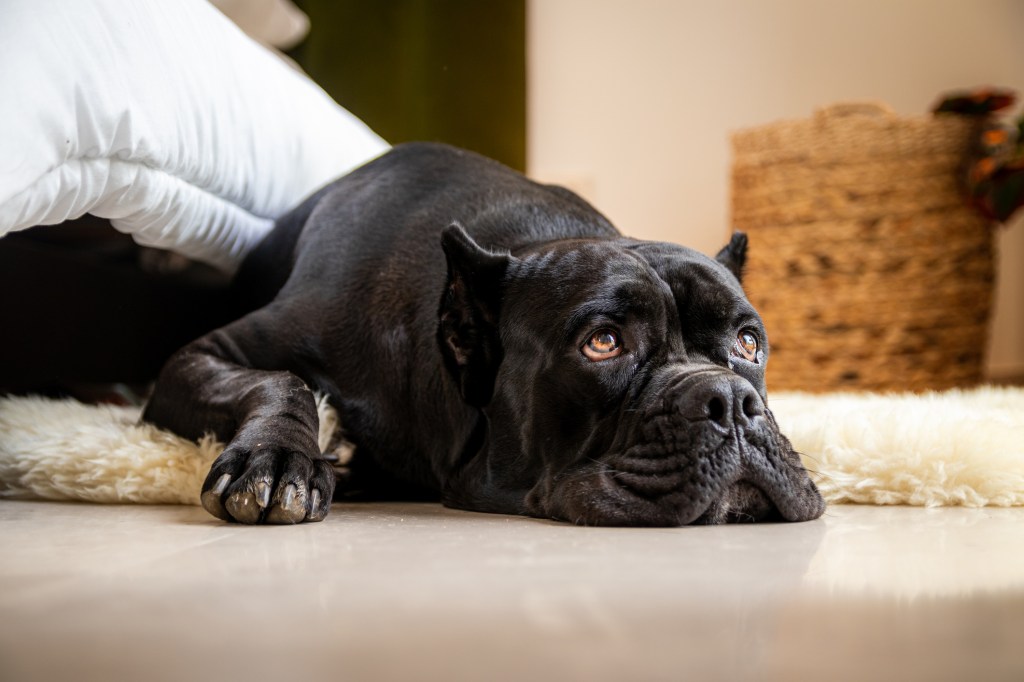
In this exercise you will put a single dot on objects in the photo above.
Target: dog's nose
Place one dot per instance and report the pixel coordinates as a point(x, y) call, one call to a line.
point(723, 399)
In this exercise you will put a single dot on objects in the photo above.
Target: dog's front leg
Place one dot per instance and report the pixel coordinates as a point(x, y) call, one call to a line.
point(271, 470)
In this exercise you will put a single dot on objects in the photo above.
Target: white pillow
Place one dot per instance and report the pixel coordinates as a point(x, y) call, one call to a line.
point(163, 117)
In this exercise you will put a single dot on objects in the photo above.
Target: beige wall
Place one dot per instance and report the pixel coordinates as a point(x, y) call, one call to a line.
point(631, 101)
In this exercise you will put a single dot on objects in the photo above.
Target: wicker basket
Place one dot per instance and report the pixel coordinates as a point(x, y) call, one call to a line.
point(868, 267)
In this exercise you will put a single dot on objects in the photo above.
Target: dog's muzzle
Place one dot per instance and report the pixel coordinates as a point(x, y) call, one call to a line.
point(705, 449)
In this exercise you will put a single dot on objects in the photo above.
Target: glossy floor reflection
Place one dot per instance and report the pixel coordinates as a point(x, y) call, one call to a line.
point(415, 591)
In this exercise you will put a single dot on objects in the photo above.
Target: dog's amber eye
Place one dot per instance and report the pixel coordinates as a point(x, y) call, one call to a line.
point(603, 345)
point(746, 345)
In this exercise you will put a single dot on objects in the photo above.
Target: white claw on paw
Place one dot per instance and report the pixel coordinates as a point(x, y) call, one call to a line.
point(262, 494)
point(222, 484)
point(289, 497)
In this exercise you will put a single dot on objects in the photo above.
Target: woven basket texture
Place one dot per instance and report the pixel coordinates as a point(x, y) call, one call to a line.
point(869, 269)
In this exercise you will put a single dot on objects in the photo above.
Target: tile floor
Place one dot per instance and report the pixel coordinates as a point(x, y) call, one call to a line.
point(415, 591)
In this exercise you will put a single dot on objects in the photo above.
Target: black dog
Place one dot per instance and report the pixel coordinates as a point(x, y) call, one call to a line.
point(551, 368)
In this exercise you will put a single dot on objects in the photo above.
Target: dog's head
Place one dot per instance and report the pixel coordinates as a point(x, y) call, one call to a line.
point(621, 382)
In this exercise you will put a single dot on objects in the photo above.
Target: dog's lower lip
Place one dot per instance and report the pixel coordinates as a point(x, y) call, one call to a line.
point(670, 507)
point(627, 480)
point(649, 486)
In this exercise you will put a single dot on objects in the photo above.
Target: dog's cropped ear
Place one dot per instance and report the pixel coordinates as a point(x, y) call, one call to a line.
point(470, 305)
point(734, 254)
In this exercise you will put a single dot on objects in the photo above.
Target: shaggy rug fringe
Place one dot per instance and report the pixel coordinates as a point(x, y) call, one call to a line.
point(958, 447)
point(65, 450)
point(949, 448)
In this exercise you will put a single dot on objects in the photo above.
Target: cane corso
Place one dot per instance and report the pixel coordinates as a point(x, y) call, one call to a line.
point(492, 342)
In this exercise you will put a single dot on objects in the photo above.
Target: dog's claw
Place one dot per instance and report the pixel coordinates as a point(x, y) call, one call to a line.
point(262, 494)
point(222, 484)
point(289, 497)
point(317, 508)
point(211, 499)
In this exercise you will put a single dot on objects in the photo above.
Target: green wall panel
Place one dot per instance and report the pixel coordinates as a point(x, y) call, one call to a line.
point(446, 70)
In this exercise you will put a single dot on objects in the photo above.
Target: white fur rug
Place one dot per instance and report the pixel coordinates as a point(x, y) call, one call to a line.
point(959, 447)
point(950, 448)
point(65, 450)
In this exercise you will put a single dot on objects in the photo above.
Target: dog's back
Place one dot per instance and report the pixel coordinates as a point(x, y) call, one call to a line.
point(370, 215)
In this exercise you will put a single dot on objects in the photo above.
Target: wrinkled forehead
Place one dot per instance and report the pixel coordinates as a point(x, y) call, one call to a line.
point(685, 267)
point(699, 284)
point(583, 278)
point(579, 263)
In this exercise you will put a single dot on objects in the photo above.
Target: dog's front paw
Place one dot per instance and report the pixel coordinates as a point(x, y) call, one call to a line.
point(268, 484)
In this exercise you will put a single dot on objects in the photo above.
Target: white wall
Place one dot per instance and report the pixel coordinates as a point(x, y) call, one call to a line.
point(631, 101)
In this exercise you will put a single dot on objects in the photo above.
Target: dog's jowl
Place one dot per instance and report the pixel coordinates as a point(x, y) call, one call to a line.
point(492, 342)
